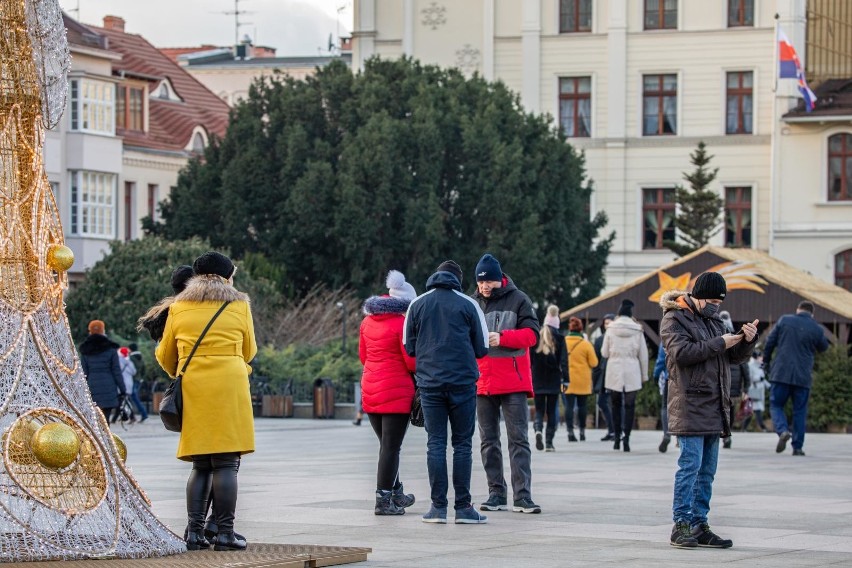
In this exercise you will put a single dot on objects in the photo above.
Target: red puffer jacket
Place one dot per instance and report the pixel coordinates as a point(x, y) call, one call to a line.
point(386, 385)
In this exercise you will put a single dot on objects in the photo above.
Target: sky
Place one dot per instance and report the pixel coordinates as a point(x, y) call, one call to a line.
point(294, 27)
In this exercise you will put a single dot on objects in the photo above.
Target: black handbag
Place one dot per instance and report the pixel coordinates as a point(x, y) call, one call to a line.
point(416, 417)
point(171, 407)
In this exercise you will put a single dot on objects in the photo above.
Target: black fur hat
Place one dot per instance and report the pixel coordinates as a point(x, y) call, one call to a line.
point(214, 263)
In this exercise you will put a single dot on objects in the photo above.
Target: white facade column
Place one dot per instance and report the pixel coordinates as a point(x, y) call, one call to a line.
point(488, 40)
point(617, 70)
point(531, 56)
point(408, 28)
point(364, 34)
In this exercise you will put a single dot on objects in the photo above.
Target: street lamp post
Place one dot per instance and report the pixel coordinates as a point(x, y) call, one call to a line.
point(343, 325)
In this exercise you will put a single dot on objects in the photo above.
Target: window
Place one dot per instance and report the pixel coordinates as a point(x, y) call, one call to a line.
point(658, 216)
point(843, 269)
point(575, 106)
point(198, 143)
point(93, 204)
point(840, 167)
point(129, 191)
point(575, 16)
point(661, 14)
point(738, 216)
point(739, 103)
point(92, 106)
point(153, 191)
point(659, 105)
point(130, 108)
point(740, 13)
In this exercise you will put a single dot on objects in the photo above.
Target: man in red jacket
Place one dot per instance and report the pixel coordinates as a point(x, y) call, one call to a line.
point(505, 382)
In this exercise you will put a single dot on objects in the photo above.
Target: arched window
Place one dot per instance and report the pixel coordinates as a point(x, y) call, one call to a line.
point(843, 269)
point(840, 167)
point(198, 143)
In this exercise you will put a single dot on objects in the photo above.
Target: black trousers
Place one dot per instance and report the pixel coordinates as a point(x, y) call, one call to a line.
point(546, 404)
point(219, 473)
point(390, 430)
point(581, 410)
point(623, 402)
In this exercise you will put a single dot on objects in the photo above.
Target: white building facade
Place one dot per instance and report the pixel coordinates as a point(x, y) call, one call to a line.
point(636, 84)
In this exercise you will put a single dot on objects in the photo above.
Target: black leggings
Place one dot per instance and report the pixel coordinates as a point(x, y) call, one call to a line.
point(581, 410)
point(390, 429)
point(628, 401)
point(219, 473)
point(546, 404)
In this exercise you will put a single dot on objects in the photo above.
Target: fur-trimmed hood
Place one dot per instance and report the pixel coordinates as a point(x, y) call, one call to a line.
point(674, 300)
point(210, 288)
point(96, 343)
point(377, 305)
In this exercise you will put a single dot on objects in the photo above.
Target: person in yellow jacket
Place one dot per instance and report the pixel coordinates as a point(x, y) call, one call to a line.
point(218, 424)
point(581, 361)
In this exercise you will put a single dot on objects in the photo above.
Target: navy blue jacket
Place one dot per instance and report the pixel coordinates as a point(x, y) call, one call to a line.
point(99, 358)
point(797, 338)
point(446, 332)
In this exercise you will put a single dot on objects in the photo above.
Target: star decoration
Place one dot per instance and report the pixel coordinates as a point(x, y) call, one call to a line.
point(669, 283)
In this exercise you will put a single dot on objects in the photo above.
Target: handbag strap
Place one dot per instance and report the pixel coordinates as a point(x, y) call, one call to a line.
point(200, 337)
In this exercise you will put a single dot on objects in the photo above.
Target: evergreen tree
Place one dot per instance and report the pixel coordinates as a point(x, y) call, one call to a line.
point(700, 208)
point(339, 177)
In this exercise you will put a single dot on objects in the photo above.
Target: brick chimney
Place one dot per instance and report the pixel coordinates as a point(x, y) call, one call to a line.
point(114, 23)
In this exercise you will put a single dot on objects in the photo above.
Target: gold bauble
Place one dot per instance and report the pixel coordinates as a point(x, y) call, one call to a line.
point(19, 446)
point(122, 449)
point(60, 258)
point(55, 445)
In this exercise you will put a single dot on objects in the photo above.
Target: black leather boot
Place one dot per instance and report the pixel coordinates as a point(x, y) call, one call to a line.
point(228, 541)
point(626, 443)
point(197, 490)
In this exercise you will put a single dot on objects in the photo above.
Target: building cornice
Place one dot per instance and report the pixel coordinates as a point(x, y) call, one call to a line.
point(820, 119)
point(670, 141)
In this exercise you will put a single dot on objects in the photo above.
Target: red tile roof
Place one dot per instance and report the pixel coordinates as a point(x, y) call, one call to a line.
point(170, 123)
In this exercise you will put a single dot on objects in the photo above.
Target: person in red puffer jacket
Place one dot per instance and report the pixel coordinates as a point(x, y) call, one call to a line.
point(387, 386)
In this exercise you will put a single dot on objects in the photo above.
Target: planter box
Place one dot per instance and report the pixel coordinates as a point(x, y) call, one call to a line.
point(156, 399)
point(646, 422)
point(277, 406)
point(836, 428)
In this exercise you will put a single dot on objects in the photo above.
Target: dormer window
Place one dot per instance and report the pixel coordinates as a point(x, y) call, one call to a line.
point(166, 92)
point(198, 140)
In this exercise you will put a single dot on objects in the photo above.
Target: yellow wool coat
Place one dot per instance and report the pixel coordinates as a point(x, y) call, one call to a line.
point(217, 411)
point(581, 361)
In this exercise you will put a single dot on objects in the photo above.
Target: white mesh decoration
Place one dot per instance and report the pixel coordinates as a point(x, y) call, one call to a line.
point(50, 55)
point(56, 503)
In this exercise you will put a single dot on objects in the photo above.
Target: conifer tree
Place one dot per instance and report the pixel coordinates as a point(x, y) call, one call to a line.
point(699, 208)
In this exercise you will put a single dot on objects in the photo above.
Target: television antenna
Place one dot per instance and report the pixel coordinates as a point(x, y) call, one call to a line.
point(236, 13)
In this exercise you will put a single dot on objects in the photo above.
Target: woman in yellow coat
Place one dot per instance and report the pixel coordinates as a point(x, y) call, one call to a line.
point(218, 425)
point(581, 361)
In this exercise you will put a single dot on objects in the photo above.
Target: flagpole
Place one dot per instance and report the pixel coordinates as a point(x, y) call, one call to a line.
point(773, 140)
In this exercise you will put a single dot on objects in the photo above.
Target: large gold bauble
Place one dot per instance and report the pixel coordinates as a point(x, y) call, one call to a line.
point(60, 258)
point(122, 448)
point(55, 445)
point(21, 432)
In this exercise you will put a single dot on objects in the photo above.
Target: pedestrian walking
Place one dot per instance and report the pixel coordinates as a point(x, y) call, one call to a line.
point(740, 381)
point(581, 361)
point(699, 353)
point(550, 377)
point(139, 363)
point(599, 380)
point(218, 423)
point(626, 369)
point(128, 373)
point(661, 375)
point(505, 383)
point(445, 332)
point(757, 392)
point(387, 386)
point(797, 338)
point(99, 359)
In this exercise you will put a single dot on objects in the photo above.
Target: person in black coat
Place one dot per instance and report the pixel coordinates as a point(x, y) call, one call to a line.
point(740, 381)
point(99, 358)
point(549, 362)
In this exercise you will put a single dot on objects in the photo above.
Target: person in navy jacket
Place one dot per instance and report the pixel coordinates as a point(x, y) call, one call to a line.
point(387, 387)
point(797, 338)
point(505, 383)
point(445, 331)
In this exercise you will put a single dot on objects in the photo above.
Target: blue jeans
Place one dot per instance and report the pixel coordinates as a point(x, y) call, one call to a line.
point(778, 396)
point(693, 485)
point(134, 398)
point(459, 407)
point(516, 414)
